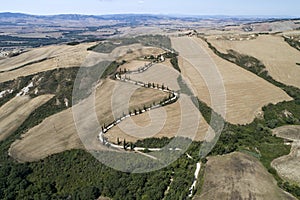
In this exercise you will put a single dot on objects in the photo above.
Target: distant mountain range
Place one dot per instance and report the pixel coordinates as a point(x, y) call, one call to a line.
point(138, 16)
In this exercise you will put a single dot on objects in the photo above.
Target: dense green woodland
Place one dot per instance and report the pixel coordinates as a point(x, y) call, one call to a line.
point(76, 174)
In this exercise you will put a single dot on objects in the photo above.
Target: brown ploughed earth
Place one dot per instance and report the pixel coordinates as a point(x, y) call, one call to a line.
point(239, 176)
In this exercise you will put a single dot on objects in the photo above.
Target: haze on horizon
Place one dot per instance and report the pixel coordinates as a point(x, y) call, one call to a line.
point(167, 7)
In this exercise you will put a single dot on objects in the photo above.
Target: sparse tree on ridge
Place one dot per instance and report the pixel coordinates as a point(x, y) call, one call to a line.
point(124, 144)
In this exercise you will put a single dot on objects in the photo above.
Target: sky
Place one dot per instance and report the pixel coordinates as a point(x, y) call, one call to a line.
point(183, 7)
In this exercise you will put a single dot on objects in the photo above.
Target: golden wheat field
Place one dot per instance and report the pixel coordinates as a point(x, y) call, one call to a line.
point(277, 55)
point(16, 111)
point(55, 135)
point(235, 93)
point(65, 56)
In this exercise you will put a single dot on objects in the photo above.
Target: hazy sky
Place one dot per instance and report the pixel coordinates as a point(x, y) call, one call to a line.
point(187, 7)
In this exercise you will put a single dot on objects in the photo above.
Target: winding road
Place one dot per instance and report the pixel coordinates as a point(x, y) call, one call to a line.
point(173, 97)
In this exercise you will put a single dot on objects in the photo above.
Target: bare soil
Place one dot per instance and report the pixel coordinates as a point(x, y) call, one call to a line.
point(239, 176)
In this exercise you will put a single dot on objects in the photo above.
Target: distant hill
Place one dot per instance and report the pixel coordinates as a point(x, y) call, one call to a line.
point(140, 17)
point(28, 30)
